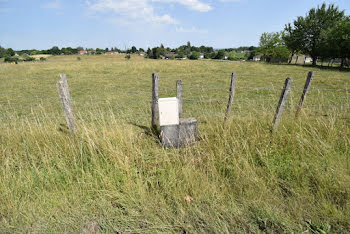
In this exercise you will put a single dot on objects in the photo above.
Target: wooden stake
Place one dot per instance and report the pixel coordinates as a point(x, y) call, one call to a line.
point(66, 87)
point(179, 96)
point(155, 97)
point(231, 96)
point(310, 76)
point(66, 105)
point(282, 103)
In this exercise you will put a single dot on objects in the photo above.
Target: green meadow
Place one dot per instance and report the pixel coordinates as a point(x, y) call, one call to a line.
point(113, 176)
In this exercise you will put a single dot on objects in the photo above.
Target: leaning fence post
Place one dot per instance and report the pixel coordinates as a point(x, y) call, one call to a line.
point(282, 103)
point(179, 96)
point(66, 105)
point(66, 87)
point(155, 97)
point(310, 76)
point(231, 96)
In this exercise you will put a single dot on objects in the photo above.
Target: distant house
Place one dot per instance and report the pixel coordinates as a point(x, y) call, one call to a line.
point(111, 52)
point(81, 52)
point(257, 58)
point(243, 51)
point(201, 56)
point(170, 55)
point(142, 54)
point(308, 59)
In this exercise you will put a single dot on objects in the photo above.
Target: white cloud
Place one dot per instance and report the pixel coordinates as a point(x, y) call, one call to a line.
point(57, 4)
point(130, 10)
point(191, 30)
point(142, 10)
point(191, 4)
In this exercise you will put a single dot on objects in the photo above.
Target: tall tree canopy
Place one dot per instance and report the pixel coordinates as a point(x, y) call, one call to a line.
point(338, 40)
point(272, 46)
point(308, 33)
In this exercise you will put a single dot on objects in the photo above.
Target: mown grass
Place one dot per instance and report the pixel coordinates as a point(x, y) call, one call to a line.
point(114, 176)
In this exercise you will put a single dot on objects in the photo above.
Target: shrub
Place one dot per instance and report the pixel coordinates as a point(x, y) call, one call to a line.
point(28, 59)
point(127, 57)
point(78, 58)
point(9, 59)
point(42, 59)
point(194, 55)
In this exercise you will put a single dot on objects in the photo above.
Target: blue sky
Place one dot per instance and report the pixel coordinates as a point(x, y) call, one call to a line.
point(41, 24)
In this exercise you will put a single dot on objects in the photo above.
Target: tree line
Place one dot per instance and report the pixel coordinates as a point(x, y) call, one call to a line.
point(323, 34)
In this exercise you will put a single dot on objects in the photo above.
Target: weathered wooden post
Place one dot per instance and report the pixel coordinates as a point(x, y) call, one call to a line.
point(66, 87)
point(66, 105)
point(282, 103)
point(231, 96)
point(179, 96)
point(309, 78)
point(155, 98)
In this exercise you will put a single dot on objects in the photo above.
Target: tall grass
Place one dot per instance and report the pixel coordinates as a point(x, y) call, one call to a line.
point(114, 175)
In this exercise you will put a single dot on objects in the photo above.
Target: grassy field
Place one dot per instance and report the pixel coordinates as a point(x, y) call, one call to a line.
point(113, 176)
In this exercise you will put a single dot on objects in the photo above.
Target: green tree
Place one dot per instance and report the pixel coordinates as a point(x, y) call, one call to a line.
point(309, 30)
point(272, 46)
point(133, 50)
point(194, 55)
point(292, 40)
point(338, 40)
point(55, 51)
point(220, 54)
point(10, 52)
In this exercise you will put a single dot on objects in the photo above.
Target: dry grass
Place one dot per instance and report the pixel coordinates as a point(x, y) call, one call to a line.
point(114, 177)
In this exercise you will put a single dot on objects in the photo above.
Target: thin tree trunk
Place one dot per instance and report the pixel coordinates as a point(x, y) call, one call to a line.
point(342, 63)
point(291, 58)
point(314, 60)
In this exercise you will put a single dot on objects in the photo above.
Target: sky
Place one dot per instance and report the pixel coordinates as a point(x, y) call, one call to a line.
point(41, 24)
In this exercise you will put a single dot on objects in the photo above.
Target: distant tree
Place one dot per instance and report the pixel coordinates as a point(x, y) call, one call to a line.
point(220, 54)
point(180, 55)
point(272, 46)
point(156, 52)
point(133, 49)
point(194, 55)
point(54, 50)
point(10, 52)
point(149, 53)
point(309, 30)
point(141, 50)
point(2, 52)
point(188, 48)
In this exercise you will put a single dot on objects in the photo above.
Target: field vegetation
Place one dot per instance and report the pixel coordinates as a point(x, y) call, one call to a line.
point(113, 175)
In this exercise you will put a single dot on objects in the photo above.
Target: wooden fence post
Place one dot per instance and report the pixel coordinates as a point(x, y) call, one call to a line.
point(155, 97)
point(282, 103)
point(66, 105)
point(296, 61)
point(179, 96)
point(66, 87)
point(310, 76)
point(231, 96)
